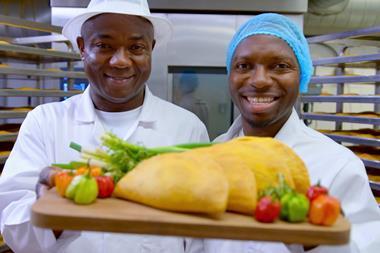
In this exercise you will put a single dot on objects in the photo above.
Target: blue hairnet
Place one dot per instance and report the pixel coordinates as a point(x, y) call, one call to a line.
point(283, 28)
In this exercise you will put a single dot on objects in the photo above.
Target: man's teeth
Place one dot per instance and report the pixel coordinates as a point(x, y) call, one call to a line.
point(118, 78)
point(260, 99)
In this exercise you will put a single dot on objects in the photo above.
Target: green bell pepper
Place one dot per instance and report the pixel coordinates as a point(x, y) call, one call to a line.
point(83, 189)
point(294, 207)
point(73, 186)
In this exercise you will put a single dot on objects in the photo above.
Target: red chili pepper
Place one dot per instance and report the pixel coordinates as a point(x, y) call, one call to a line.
point(316, 190)
point(105, 185)
point(267, 209)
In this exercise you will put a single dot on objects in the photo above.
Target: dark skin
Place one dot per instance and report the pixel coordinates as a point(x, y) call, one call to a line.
point(264, 81)
point(117, 52)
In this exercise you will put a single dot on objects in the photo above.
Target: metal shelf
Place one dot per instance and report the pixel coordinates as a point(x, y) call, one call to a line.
point(361, 61)
point(372, 164)
point(342, 98)
point(37, 93)
point(41, 72)
point(354, 139)
point(367, 36)
point(36, 54)
point(345, 79)
point(8, 137)
point(12, 114)
point(4, 248)
point(3, 158)
point(352, 119)
point(366, 33)
point(38, 39)
point(374, 185)
point(30, 25)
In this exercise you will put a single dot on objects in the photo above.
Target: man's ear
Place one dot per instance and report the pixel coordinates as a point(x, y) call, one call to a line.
point(80, 43)
point(153, 44)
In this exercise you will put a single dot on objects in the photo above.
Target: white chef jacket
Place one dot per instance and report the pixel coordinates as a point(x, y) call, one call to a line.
point(44, 139)
point(339, 170)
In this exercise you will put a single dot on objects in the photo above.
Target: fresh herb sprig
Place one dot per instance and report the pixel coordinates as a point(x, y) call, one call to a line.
point(119, 156)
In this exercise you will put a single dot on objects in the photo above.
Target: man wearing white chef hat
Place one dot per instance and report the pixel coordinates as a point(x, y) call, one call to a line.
point(115, 39)
point(162, 27)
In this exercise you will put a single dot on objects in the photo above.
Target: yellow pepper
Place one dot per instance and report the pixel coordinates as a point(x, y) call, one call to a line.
point(95, 171)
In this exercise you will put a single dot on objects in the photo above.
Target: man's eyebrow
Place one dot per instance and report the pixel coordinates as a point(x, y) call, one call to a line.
point(284, 58)
point(248, 57)
point(101, 36)
point(137, 37)
point(241, 57)
point(107, 36)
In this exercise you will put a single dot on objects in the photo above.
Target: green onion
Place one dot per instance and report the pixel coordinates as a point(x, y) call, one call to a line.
point(119, 156)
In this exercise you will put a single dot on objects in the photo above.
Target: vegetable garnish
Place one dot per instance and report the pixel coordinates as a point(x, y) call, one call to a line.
point(119, 156)
point(324, 210)
point(267, 209)
point(316, 190)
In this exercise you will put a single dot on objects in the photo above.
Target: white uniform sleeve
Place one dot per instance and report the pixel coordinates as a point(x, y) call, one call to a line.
point(194, 245)
point(17, 190)
point(351, 187)
point(232, 246)
point(199, 134)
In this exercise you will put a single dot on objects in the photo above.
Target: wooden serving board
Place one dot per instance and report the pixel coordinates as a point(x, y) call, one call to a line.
point(116, 215)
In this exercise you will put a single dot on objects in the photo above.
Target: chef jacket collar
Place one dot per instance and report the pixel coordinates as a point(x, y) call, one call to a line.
point(236, 128)
point(284, 135)
point(85, 112)
point(292, 125)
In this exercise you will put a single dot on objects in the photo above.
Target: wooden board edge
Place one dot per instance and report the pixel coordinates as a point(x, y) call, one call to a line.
point(44, 220)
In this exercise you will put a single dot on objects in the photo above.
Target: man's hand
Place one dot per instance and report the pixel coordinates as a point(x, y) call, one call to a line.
point(45, 182)
point(309, 247)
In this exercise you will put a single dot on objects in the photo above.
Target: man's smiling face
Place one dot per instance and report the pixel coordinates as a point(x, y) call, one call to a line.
point(264, 81)
point(116, 50)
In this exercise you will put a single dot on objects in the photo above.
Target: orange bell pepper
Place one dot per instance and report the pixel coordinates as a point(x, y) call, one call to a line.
point(62, 180)
point(324, 210)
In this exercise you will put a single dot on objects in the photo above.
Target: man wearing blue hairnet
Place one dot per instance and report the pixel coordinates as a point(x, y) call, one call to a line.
point(268, 64)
